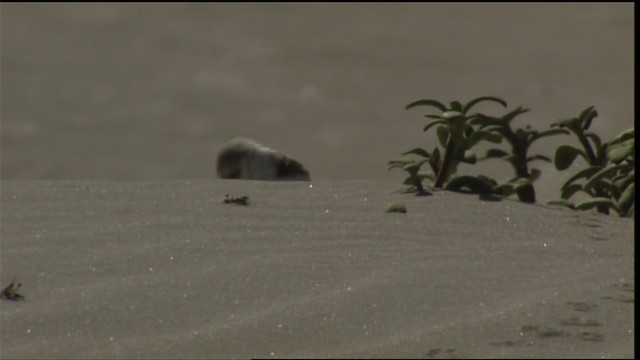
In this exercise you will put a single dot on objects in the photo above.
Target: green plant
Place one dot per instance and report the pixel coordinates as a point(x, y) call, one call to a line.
point(520, 141)
point(412, 166)
point(455, 135)
point(609, 179)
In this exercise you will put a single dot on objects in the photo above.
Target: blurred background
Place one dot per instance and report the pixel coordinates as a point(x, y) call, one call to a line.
point(151, 91)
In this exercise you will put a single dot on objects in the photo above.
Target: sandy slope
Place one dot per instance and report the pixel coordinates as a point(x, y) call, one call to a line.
point(165, 269)
point(149, 269)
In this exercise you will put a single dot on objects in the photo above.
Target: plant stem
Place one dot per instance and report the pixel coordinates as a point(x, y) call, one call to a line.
point(593, 160)
point(446, 162)
point(526, 193)
point(419, 187)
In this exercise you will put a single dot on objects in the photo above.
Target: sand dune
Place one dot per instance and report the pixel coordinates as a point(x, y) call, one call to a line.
point(165, 269)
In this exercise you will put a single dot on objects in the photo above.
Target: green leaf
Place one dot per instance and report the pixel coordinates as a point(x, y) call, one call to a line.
point(473, 183)
point(562, 202)
point(483, 121)
point(477, 100)
point(624, 136)
point(488, 180)
point(399, 162)
point(495, 153)
point(452, 115)
point(470, 157)
point(606, 172)
point(504, 131)
point(620, 151)
point(443, 135)
point(468, 130)
point(572, 124)
point(549, 132)
point(565, 155)
point(427, 102)
point(402, 160)
point(526, 193)
point(623, 180)
point(414, 167)
point(593, 202)
point(435, 158)
point(595, 139)
point(570, 190)
point(586, 117)
point(480, 135)
point(627, 200)
point(456, 106)
point(520, 182)
point(607, 188)
point(538, 157)
point(418, 151)
point(534, 174)
point(585, 173)
point(504, 190)
point(433, 123)
point(508, 117)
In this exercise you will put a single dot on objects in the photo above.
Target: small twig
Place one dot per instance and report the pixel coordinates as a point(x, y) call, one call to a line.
point(242, 200)
point(11, 292)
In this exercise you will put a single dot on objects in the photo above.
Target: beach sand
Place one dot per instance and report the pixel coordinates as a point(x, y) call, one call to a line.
point(167, 270)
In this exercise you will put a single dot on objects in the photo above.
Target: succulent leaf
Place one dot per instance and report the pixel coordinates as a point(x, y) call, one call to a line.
point(427, 102)
point(418, 151)
point(538, 157)
point(621, 150)
point(586, 117)
point(605, 172)
point(593, 202)
point(470, 157)
point(473, 183)
point(451, 115)
point(549, 132)
point(477, 100)
point(443, 135)
point(623, 180)
point(480, 135)
point(627, 200)
point(568, 191)
point(534, 174)
point(585, 173)
point(483, 121)
point(496, 153)
point(456, 106)
point(433, 123)
point(562, 202)
point(565, 155)
point(624, 136)
point(504, 190)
